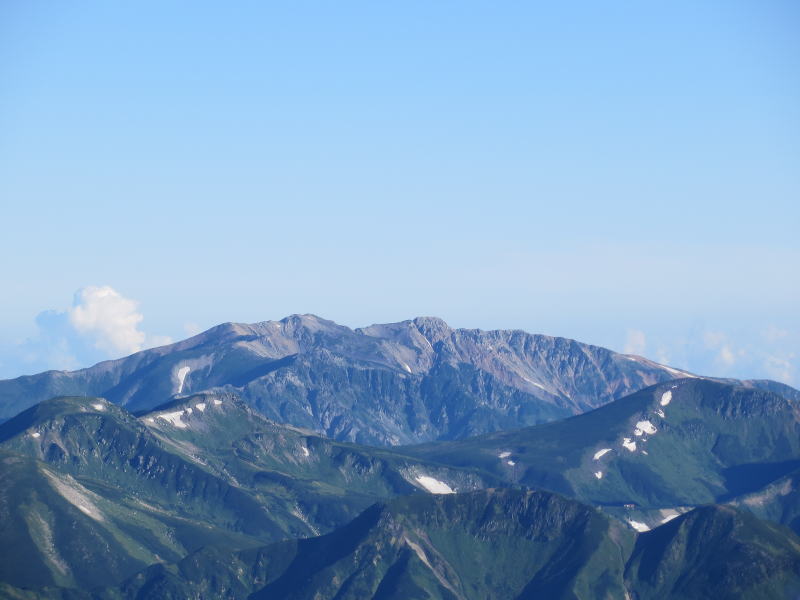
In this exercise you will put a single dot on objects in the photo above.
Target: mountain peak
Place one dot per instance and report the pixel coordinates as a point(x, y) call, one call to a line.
point(433, 328)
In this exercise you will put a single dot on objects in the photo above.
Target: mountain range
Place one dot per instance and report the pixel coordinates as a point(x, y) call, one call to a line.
point(502, 465)
point(399, 383)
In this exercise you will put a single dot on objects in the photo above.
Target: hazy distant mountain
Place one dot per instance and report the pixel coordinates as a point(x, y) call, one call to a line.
point(399, 383)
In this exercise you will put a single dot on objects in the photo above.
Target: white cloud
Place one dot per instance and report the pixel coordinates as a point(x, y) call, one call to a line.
point(635, 342)
point(109, 319)
point(779, 368)
point(101, 324)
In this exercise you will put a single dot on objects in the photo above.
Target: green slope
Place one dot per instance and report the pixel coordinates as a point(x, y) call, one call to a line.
point(778, 501)
point(110, 451)
point(330, 482)
point(715, 552)
point(714, 441)
point(172, 481)
point(487, 544)
point(57, 531)
point(193, 496)
point(500, 544)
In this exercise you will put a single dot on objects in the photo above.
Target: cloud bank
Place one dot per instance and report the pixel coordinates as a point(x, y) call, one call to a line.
point(101, 324)
point(108, 319)
point(770, 353)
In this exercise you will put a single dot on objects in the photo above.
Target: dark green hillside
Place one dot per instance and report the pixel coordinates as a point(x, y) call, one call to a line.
point(204, 498)
point(713, 441)
point(330, 482)
point(499, 544)
point(110, 451)
point(204, 471)
point(56, 531)
point(715, 552)
point(779, 501)
point(493, 543)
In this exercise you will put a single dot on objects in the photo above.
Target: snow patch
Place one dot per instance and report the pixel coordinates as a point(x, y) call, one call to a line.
point(201, 406)
point(600, 453)
point(598, 474)
point(666, 397)
point(98, 406)
point(668, 515)
point(434, 486)
point(678, 373)
point(182, 373)
point(217, 402)
point(35, 434)
point(643, 427)
point(504, 455)
point(629, 444)
point(76, 494)
point(531, 381)
point(305, 451)
point(174, 418)
point(660, 413)
point(645, 453)
point(510, 463)
point(151, 420)
point(640, 527)
point(406, 367)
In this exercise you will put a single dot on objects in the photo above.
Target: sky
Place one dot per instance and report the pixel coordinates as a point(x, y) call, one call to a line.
point(622, 173)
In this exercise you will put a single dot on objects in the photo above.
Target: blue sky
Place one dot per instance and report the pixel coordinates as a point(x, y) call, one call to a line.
point(623, 173)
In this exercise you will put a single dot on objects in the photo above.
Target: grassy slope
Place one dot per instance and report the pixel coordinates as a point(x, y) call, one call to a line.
point(499, 544)
point(230, 479)
point(716, 552)
point(715, 441)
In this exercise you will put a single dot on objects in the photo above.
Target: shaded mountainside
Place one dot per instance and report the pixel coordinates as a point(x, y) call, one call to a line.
point(390, 384)
point(777, 501)
point(201, 471)
point(57, 530)
point(677, 444)
point(501, 544)
point(715, 552)
point(493, 543)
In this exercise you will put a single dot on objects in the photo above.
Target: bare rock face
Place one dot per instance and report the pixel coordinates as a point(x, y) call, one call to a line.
point(397, 383)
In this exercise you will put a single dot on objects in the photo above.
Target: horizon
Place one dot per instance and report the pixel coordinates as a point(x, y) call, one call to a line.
point(355, 328)
point(626, 176)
